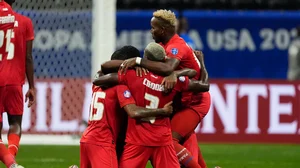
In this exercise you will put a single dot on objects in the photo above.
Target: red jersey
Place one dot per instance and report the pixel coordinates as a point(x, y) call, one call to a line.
point(7, 20)
point(103, 125)
point(179, 49)
point(23, 32)
point(148, 92)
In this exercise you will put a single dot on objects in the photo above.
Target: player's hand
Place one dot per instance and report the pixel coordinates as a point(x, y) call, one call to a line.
point(168, 108)
point(140, 71)
point(100, 73)
point(30, 95)
point(199, 54)
point(129, 63)
point(169, 82)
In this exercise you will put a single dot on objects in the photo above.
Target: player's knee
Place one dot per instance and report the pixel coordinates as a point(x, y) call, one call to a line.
point(15, 128)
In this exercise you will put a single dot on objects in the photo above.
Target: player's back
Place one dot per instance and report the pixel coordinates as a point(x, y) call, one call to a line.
point(148, 92)
point(23, 32)
point(6, 28)
point(103, 125)
point(179, 49)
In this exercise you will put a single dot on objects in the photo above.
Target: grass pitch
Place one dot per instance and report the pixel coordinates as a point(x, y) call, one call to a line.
point(225, 156)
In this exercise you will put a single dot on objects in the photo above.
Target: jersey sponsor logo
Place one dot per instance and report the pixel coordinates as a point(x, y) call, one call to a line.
point(127, 94)
point(174, 51)
point(181, 78)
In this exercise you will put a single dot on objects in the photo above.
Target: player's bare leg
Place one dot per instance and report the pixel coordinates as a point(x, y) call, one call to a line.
point(14, 133)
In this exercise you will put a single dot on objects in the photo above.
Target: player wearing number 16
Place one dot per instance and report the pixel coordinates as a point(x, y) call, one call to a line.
point(98, 142)
point(151, 139)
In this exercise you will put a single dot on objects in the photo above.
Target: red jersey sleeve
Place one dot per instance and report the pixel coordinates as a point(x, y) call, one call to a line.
point(29, 30)
point(182, 84)
point(124, 78)
point(175, 51)
point(124, 96)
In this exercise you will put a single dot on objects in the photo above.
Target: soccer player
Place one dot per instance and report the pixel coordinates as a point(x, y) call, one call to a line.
point(97, 145)
point(195, 106)
point(151, 140)
point(7, 20)
point(19, 63)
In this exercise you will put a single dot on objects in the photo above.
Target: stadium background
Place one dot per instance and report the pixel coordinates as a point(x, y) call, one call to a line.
point(245, 43)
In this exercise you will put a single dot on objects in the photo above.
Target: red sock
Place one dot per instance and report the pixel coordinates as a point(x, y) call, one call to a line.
point(184, 156)
point(13, 143)
point(201, 161)
point(5, 156)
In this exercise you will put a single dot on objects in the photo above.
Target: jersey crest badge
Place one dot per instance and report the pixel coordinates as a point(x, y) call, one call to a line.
point(127, 94)
point(181, 78)
point(174, 51)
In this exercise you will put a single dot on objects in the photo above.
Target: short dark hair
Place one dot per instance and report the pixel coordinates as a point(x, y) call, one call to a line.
point(10, 2)
point(125, 52)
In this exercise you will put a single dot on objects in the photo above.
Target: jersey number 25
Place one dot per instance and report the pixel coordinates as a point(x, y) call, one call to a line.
point(9, 47)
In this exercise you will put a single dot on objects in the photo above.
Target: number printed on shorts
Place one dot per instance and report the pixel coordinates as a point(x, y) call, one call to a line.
point(154, 103)
point(97, 107)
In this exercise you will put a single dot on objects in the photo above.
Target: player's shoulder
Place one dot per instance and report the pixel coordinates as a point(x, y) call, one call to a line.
point(178, 44)
point(130, 73)
point(22, 17)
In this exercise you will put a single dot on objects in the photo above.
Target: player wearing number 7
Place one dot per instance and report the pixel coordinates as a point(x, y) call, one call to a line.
point(151, 140)
point(97, 145)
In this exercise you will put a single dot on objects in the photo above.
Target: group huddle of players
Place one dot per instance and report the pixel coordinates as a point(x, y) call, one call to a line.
point(170, 73)
point(16, 36)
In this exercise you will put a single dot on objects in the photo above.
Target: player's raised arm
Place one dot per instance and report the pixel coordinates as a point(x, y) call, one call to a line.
point(170, 81)
point(188, 84)
point(198, 86)
point(138, 112)
point(118, 57)
point(161, 68)
point(154, 60)
point(110, 66)
point(111, 79)
point(203, 71)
